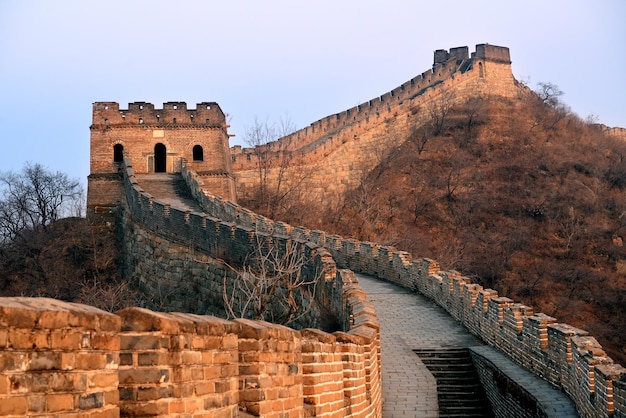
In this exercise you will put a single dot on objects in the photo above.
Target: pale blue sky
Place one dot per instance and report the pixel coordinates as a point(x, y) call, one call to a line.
point(272, 58)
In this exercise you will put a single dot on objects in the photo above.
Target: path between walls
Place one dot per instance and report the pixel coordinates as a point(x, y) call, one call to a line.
point(411, 321)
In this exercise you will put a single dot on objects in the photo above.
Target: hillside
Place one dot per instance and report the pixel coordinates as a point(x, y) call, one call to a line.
point(71, 260)
point(521, 195)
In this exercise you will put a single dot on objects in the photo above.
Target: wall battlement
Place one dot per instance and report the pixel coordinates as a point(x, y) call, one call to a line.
point(67, 359)
point(335, 151)
point(447, 66)
point(173, 113)
point(492, 53)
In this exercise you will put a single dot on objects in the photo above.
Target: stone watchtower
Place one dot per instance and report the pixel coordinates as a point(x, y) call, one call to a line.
point(157, 141)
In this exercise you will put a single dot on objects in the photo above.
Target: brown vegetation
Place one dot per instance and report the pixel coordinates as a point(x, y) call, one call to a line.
point(523, 197)
point(71, 260)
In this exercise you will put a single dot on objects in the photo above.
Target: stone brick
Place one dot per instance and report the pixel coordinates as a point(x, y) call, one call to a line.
point(91, 400)
point(36, 404)
point(66, 340)
point(59, 402)
point(143, 342)
point(13, 406)
point(90, 360)
point(108, 342)
point(44, 360)
point(141, 376)
point(103, 380)
point(27, 339)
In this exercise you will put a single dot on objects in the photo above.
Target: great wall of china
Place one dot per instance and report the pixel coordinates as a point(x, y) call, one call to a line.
point(62, 359)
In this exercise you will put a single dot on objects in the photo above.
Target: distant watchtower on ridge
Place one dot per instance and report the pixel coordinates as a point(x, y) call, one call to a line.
point(157, 141)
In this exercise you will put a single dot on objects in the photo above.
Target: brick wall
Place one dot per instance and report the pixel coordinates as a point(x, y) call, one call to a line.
point(277, 368)
point(58, 359)
point(330, 156)
point(69, 360)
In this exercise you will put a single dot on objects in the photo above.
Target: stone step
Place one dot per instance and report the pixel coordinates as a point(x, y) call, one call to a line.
point(169, 188)
point(459, 392)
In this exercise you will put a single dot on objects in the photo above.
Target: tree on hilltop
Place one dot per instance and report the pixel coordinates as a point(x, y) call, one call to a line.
point(34, 198)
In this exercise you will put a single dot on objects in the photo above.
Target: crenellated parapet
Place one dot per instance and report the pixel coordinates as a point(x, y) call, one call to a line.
point(333, 152)
point(454, 67)
point(206, 114)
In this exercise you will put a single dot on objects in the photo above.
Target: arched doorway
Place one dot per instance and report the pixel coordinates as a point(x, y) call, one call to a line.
point(160, 158)
point(118, 153)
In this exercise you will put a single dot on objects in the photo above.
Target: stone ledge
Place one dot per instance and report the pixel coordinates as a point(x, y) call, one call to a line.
point(552, 402)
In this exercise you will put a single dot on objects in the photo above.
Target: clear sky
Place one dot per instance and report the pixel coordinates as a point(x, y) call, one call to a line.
point(274, 58)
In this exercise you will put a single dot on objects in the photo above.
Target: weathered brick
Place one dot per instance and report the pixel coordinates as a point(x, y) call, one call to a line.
point(103, 380)
point(126, 359)
point(36, 404)
point(91, 400)
point(148, 359)
point(66, 340)
point(101, 341)
point(143, 342)
point(27, 339)
point(59, 402)
point(90, 360)
point(13, 405)
point(44, 360)
point(138, 376)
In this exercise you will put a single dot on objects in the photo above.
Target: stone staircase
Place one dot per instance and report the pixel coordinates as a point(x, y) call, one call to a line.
point(169, 188)
point(459, 391)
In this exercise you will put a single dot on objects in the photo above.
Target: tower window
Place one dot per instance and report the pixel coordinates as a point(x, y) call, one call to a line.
point(174, 121)
point(198, 153)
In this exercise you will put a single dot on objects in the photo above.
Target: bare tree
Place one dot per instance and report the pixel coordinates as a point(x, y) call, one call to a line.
point(273, 162)
point(420, 135)
point(439, 109)
point(473, 110)
point(549, 93)
point(273, 285)
point(34, 198)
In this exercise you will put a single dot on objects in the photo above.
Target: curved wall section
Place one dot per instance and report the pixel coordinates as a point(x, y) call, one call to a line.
point(565, 356)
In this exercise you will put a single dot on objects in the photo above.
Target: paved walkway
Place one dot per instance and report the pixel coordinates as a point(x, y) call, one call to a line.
point(411, 321)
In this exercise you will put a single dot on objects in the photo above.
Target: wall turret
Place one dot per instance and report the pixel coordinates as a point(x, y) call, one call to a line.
point(492, 53)
point(458, 54)
point(157, 141)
